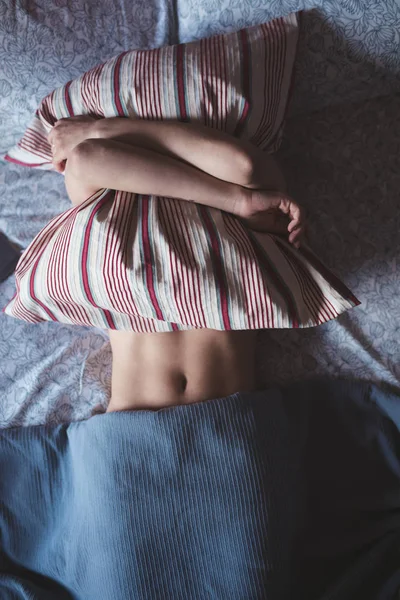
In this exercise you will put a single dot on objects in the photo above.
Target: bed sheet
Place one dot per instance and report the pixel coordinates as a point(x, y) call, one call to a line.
point(47, 373)
point(341, 162)
point(349, 50)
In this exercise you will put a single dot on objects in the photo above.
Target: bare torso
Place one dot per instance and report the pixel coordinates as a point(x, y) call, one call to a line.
point(195, 164)
point(151, 371)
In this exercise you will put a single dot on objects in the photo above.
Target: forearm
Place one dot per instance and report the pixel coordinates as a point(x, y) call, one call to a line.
point(210, 150)
point(116, 165)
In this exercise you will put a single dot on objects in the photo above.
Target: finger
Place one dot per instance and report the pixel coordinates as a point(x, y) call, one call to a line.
point(59, 165)
point(297, 237)
point(296, 229)
point(295, 242)
point(284, 203)
point(294, 237)
point(58, 156)
point(53, 138)
point(296, 212)
point(289, 207)
point(294, 225)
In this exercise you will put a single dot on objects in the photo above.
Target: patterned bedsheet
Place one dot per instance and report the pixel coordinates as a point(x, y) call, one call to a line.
point(340, 153)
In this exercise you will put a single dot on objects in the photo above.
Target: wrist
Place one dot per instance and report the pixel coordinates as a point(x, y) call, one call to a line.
point(111, 127)
point(98, 128)
point(242, 202)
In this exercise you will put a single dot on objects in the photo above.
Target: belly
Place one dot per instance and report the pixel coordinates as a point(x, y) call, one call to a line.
point(151, 371)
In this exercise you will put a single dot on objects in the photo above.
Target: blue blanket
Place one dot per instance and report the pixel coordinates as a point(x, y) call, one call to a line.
point(285, 493)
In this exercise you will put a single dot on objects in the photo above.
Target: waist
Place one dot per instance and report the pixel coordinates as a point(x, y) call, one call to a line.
point(151, 371)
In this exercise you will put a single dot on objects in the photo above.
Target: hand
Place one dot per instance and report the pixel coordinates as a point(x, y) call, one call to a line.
point(275, 212)
point(66, 134)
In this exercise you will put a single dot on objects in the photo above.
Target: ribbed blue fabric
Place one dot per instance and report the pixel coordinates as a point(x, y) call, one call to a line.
point(277, 494)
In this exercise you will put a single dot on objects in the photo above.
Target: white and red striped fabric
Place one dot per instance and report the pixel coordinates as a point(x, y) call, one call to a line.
point(148, 264)
point(239, 83)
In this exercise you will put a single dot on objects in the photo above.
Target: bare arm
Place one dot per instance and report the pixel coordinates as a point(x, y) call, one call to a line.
point(100, 163)
point(214, 152)
point(210, 150)
point(108, 163)
point(95, 163)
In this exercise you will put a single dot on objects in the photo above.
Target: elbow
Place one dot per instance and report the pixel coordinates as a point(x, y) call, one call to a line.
point(245, 169)
point(81, 158)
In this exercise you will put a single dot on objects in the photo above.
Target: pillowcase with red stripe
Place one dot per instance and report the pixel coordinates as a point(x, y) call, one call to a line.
point(125, 261)
point(239, 83)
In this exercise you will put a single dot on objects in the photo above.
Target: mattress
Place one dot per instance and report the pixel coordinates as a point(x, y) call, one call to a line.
point(339, 152)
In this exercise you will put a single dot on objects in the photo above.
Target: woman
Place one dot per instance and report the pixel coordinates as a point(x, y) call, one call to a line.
point(197, 164)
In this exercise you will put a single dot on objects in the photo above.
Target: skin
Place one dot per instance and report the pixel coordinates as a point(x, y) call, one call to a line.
point(197, 164)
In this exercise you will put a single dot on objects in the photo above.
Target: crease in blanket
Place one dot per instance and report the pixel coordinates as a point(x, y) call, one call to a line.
point(284, 493)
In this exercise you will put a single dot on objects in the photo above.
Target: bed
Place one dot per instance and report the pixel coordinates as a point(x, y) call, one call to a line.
point(339, 152)
point(284, 493)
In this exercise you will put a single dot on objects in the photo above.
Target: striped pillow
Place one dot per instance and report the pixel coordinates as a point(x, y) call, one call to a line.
point(147, 264)
point(238, 82)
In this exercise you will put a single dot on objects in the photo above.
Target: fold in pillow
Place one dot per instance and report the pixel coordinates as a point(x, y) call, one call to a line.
point(149, 264)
